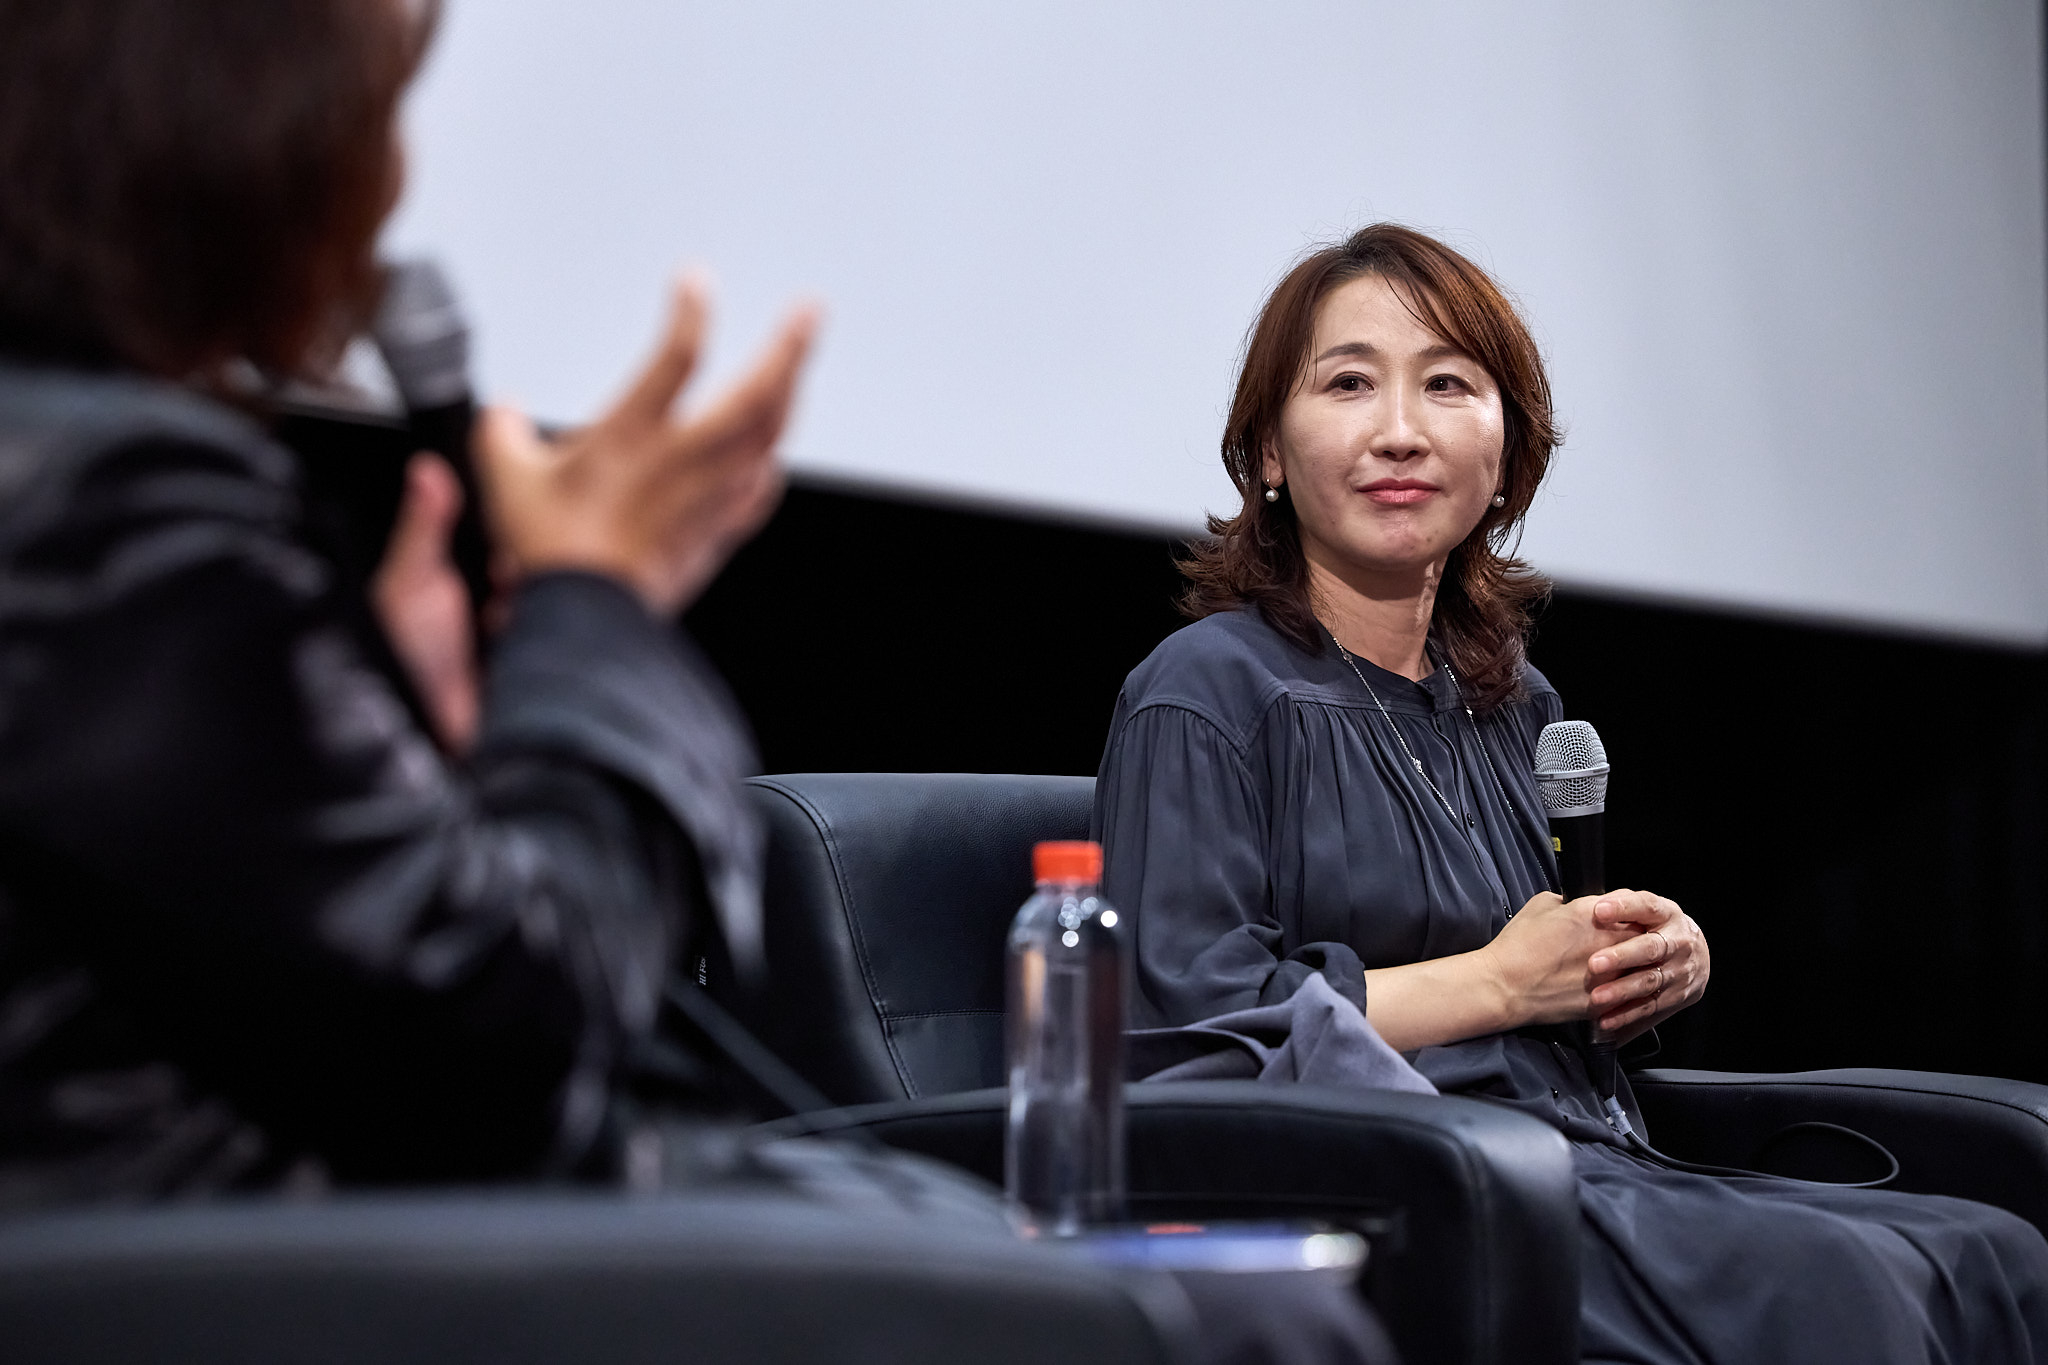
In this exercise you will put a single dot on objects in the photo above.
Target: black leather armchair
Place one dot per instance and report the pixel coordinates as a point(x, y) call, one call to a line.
point(1976, 1137)
point(552, 1279)
point(888, 898)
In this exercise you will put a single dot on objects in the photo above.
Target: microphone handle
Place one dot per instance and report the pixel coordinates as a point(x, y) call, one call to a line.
point(445, 430)
point(1580, 842)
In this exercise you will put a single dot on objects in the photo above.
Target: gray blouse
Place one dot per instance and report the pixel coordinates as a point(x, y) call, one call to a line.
point(1263, 828)
point(1262, 823)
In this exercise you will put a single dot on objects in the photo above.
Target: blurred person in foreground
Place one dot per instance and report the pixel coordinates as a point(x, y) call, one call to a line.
point(255, 924)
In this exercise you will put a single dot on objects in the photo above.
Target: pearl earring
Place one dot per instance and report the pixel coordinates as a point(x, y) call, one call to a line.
point(1272, 493)
point(1500, 500)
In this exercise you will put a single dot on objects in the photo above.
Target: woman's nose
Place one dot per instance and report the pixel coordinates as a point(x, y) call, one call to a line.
point(1401, 436)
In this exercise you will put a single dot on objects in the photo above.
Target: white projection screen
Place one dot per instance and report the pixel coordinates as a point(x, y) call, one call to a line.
point(1786, 259)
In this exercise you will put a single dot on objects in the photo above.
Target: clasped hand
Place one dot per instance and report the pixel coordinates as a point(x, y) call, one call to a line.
point(1625, 960)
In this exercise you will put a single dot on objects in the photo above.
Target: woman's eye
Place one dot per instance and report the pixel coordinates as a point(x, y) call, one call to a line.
point(1349, 383)
point(1445, 383)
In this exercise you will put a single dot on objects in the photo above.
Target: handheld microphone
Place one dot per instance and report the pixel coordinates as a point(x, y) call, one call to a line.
point(423, 337)
point(1571, 776)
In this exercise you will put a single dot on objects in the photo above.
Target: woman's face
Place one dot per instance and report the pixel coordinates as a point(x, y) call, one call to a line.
point(1391, 445)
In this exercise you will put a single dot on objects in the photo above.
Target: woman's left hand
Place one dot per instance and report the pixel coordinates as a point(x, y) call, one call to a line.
point(1652, 976)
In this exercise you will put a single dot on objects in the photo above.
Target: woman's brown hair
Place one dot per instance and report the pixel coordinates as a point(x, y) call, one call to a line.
point(1254, 559)
point(189, 183)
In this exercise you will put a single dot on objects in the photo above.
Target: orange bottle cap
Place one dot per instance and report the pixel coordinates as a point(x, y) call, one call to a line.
point(1067, 860)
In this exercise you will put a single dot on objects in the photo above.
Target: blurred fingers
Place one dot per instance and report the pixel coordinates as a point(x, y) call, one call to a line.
point(422, 605)
point(730, 511)
point(757, 499)
point(426, 516)
point(505, 440)
point(652, 395)
point(748, 417)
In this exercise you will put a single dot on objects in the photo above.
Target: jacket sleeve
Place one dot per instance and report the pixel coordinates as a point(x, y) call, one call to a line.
point(417, 969)
point(1184, 829)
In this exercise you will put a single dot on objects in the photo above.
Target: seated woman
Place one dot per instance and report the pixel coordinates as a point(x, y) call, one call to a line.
point(1331, 774)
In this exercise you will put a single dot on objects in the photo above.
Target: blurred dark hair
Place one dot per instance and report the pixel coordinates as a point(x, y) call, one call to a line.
point(187, 183)
point(1485, 602)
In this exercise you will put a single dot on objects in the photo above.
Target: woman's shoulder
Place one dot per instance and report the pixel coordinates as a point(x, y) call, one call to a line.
point(56, 419)
point(121, 470)
point(1536, 693)
point(111, 401)
point(63, 430)
point(1534, 705)
point(1228, 668)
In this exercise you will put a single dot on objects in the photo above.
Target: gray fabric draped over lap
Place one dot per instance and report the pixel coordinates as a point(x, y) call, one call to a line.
point(1268, 841)
point(1315, 1036)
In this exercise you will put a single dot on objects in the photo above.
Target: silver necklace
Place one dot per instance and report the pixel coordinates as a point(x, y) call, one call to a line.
point(1485, 750)
point(1457, 690)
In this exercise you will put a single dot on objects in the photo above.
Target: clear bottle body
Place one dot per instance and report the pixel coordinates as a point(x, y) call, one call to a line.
point(1064, 1159)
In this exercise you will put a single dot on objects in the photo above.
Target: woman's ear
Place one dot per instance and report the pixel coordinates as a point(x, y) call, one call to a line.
point(1271, 472)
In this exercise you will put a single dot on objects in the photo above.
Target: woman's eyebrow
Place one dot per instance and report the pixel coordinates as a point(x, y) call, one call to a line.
point(1365, 350)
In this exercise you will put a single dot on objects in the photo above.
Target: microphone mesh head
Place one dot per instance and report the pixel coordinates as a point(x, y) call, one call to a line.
point(1571, 768)
point(420, 331)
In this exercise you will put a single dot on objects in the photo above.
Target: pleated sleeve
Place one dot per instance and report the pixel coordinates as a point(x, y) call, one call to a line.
point(1184, 821)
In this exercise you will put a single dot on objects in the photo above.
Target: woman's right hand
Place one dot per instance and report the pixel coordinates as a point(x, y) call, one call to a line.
point(1539, 963)
point(656, 501)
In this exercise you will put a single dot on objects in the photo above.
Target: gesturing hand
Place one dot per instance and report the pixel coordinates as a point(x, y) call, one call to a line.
point(1651, 976)
point(657, 501)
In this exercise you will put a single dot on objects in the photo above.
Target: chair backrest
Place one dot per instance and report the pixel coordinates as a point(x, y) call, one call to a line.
point(888, 898)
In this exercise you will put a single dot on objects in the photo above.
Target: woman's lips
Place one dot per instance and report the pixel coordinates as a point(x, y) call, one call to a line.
point(1398, 492)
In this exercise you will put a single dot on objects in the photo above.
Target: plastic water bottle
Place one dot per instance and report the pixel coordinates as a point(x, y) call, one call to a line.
point(1064, 1164)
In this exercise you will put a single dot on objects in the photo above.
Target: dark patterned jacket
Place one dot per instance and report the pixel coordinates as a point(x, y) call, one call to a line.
point(250, 918)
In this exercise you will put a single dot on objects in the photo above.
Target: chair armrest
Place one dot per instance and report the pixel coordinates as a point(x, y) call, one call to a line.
point(549, 1279)
point(1977, 1137)
point(1471, 1208)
